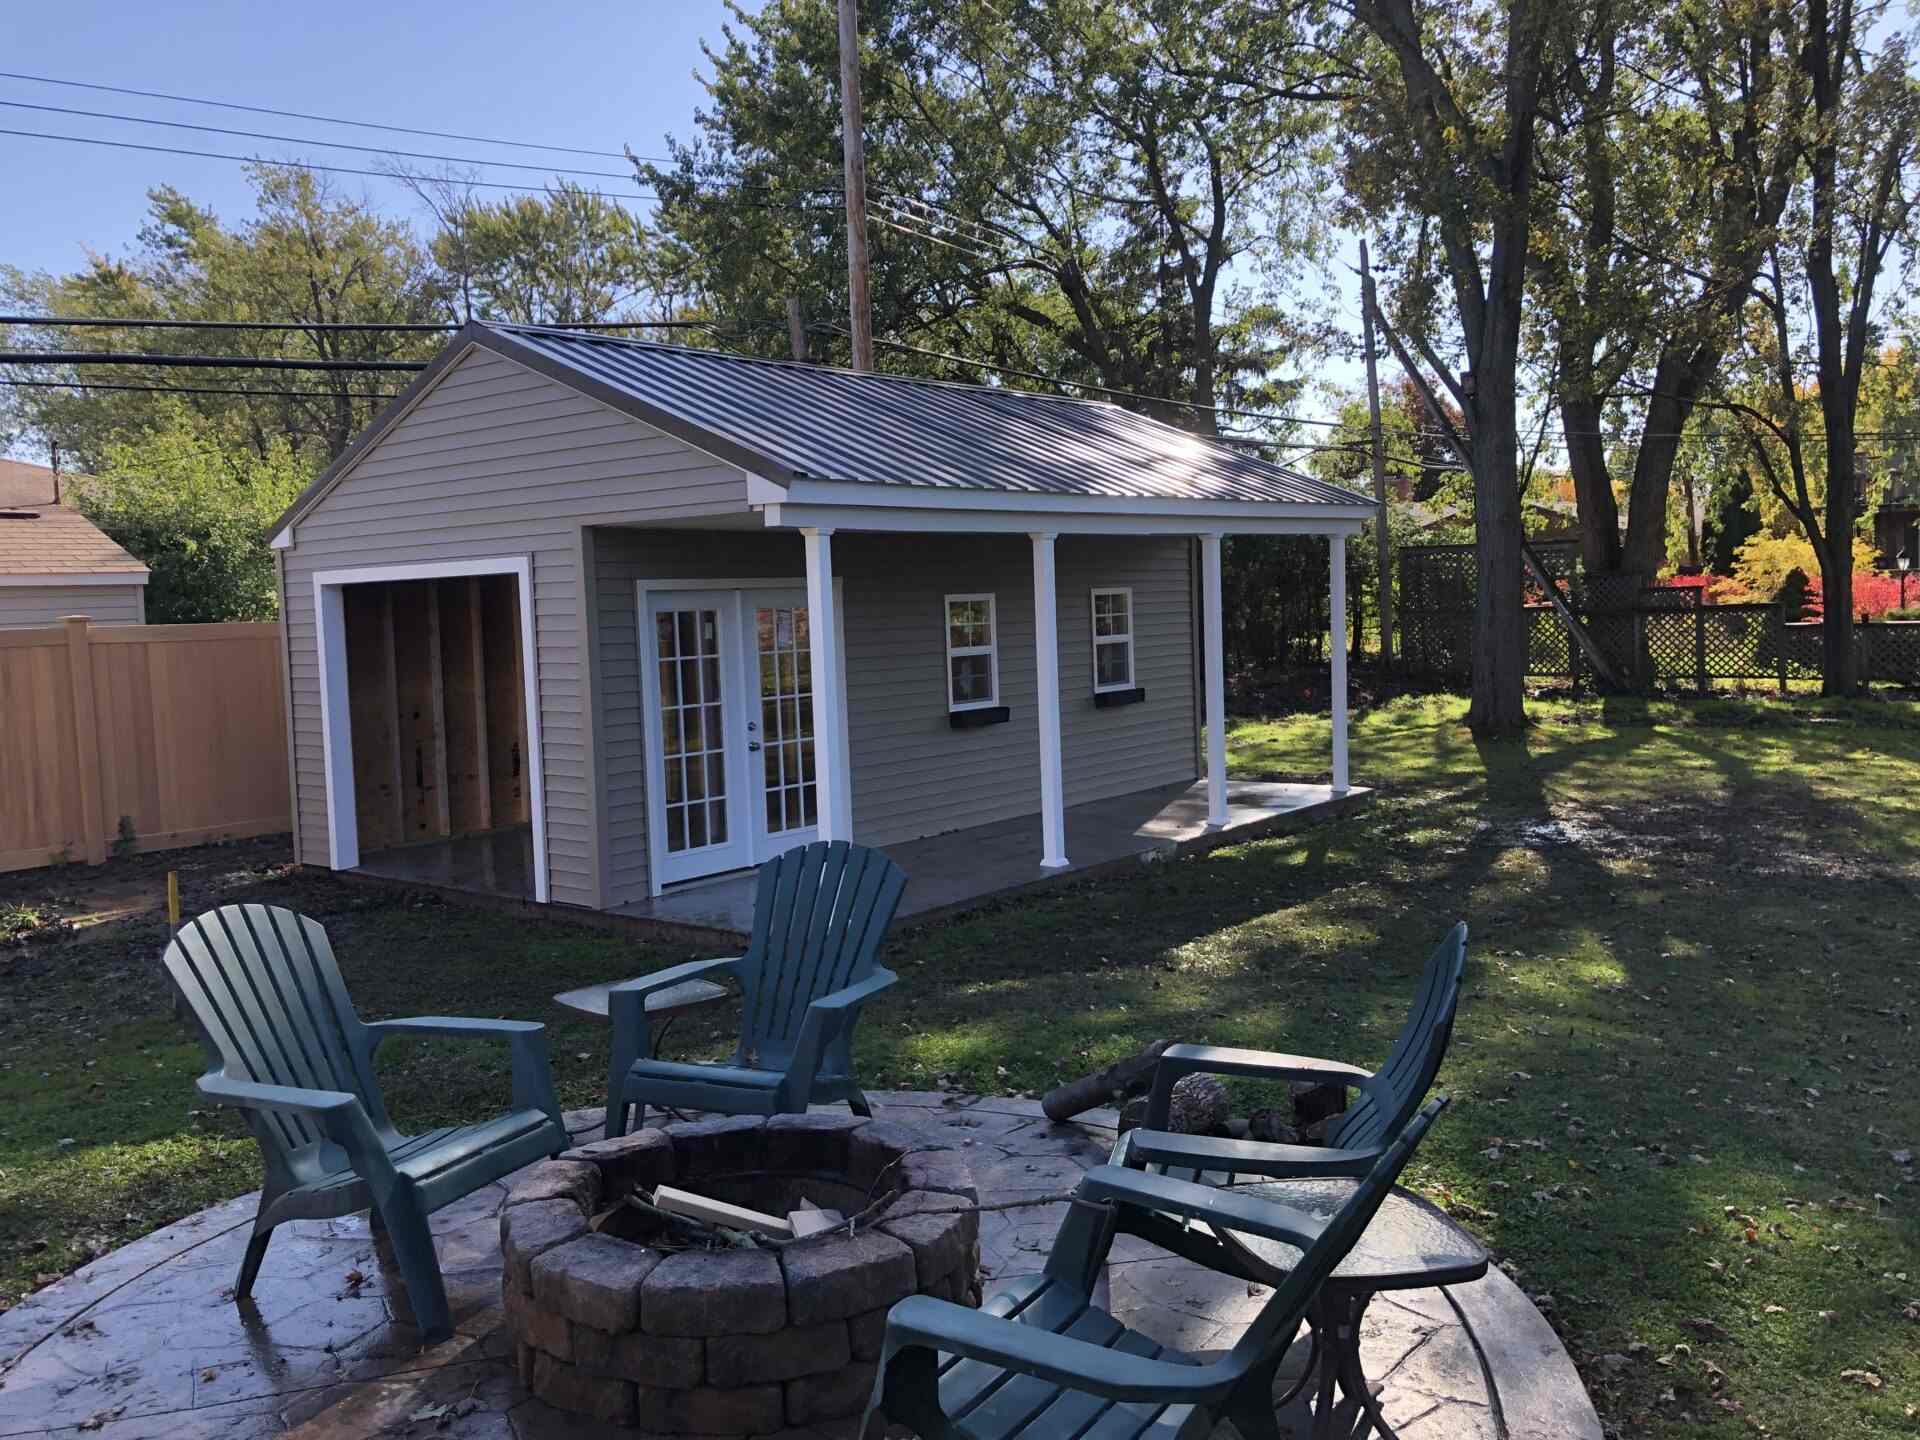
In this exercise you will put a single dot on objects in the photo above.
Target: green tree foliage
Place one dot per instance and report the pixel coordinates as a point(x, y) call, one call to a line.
point(197, 513)
point(1732, 520)
point(308, 255)
point(1678, 159)
point(564, 258)
point(1067, 188)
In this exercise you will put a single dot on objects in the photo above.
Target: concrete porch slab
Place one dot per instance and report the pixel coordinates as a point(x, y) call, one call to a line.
point(962, 868)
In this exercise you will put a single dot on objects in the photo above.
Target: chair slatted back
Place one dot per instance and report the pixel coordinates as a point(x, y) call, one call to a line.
point(1414, 1061)
point(1281, 1315)
point(265, 987)
point(819, 916)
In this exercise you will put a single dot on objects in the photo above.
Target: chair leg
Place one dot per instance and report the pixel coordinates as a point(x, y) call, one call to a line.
point(412, 1241)
point(250, 1262)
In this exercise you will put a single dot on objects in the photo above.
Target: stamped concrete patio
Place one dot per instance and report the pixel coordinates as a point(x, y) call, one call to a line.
point(147, 1342)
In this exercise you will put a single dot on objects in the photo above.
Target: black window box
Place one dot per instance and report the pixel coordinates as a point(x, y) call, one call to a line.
point(975, 719)
point(1107, 699)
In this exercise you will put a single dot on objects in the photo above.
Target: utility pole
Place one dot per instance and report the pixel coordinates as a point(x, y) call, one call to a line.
point(854, 156)
point(1377, 443)
point(797, 327)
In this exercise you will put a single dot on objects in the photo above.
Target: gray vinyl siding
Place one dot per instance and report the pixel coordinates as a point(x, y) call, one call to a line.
point(913, 774)
point(28, 607)
point(496, 461)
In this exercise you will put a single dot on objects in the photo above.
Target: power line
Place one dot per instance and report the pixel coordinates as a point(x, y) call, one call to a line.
point(199, 390)
point(324, 144)
point(319, 325)
point(208, 362)
point(387, 175)
point(328, 119)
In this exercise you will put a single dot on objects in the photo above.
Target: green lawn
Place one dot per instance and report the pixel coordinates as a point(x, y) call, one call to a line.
point(1684, 1061)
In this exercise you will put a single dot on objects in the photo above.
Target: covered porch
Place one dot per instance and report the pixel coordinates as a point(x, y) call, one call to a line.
point(963, 868)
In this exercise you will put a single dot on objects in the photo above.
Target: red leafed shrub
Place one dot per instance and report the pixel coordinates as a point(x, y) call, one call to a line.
point(1720, 589)
point(1875, 592)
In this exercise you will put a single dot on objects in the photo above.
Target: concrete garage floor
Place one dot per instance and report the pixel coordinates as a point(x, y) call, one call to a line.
point(147, 1344)
point(497, 862)
point(964, 867)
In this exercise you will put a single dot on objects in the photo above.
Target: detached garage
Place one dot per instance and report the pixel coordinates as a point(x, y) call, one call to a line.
point(605, 623)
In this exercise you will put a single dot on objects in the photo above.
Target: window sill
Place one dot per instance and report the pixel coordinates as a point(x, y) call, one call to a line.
point(976, 719)
point(1107, 699)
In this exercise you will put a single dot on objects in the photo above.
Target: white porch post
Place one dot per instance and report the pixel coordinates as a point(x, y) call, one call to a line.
point(1212, 622)
point(1337, 630)
point(831, 779)
point(1046, 655)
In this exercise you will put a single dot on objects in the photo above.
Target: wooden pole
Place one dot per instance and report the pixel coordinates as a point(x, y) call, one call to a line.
point(854, 158)
point(797, 327)
point(86, 739)
point(1377, 443)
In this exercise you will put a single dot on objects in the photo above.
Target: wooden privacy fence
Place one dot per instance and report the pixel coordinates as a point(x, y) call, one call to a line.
point(138, 737)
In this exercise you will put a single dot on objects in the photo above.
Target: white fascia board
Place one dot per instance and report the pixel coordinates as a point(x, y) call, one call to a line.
point(284, 540)
point(77, 577)
point(1082, 522)
point(861, 495)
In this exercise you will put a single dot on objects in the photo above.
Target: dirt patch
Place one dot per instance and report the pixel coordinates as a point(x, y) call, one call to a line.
point(63, 898)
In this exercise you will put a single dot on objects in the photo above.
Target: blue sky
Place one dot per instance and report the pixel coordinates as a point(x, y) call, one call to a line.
point(593, 73)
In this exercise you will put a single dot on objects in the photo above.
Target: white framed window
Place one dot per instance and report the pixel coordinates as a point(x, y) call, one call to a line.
point(1112, 639)
point(973, 653)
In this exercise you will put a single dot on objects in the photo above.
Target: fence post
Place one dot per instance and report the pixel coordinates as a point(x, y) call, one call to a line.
point(1641, 676)
point(1780, 629)
point(1699, 645)
point(86, 739)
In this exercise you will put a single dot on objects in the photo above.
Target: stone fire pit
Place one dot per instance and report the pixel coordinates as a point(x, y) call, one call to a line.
point(728, 1341)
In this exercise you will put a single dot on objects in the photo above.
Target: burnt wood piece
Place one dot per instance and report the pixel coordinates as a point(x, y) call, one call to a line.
point(1119, 1081)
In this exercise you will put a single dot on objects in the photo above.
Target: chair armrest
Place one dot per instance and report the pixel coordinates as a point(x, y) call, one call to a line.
point(1178, 1061)
point(339, 1115)
point(452, 1025)
point(821, 1026)
point(1230, 1211)
point(922, 1322)
point(1252, 1157)
point(218, 1086)
point(532, 1071)
point(645, 985)
point(856, 994)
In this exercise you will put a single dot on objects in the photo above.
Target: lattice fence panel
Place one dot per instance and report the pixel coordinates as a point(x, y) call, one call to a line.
point(1667, 641)
point(1549, 647)
point(1742, 641)
point(1892, 651)
point(1800, 642)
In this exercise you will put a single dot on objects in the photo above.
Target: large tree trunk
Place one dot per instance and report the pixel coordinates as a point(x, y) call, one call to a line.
point(1497, 707)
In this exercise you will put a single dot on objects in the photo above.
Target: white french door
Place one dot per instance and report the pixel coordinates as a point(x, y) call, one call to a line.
point(729, 712)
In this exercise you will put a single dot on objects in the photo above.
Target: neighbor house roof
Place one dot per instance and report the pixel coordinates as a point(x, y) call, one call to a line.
point(42, 540)
point(787, 421)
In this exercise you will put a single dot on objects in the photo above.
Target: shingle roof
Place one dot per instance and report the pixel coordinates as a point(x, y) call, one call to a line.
point(821, 423)
point(56, 542)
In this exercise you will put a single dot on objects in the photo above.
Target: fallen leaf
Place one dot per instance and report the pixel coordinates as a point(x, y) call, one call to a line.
point(1863, 1377)
point(1700, 1325)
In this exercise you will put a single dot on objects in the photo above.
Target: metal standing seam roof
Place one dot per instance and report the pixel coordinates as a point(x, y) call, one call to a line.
point(818, 422)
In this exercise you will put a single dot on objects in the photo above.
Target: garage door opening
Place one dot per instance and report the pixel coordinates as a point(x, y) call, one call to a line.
point(436, 691)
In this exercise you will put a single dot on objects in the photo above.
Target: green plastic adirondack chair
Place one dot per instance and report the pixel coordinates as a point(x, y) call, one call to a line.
point(819, 916)
point(272, 1008)
point(1041, 1359)
point(1388, 1096)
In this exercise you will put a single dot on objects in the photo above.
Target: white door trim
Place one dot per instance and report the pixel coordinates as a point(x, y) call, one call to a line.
point(336, 719)
point(650, 694)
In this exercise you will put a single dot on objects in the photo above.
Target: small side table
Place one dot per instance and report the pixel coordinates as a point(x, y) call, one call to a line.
point(663, 1006)
point(1409, 1245)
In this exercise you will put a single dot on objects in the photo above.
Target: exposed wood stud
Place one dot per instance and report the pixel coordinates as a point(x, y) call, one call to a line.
point(437, 675)
point(477, 653)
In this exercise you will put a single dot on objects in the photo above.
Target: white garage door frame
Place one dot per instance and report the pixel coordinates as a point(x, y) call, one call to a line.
point(336, 719)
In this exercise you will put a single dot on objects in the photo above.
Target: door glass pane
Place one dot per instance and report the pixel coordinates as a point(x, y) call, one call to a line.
point(692, 730)
point(786, 716)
